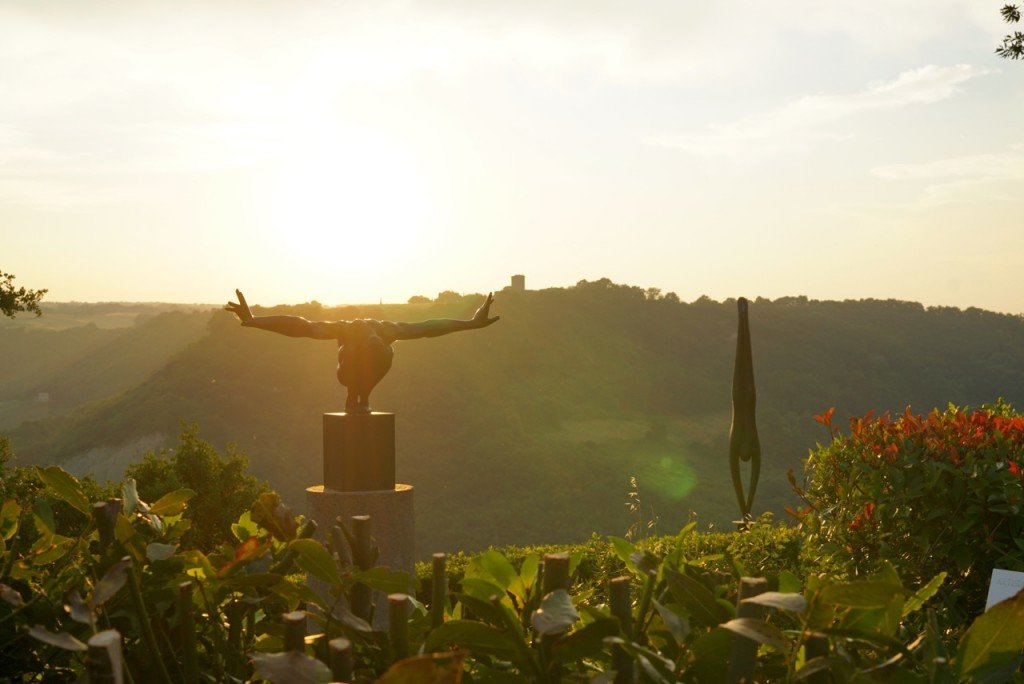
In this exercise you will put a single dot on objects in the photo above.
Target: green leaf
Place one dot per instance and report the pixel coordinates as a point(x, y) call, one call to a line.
point(172, 503)
point(64, 486)
point(496, 615)
point(11, 596)
point(556, 613)
point(291, 667)
point(711, 653)
point(528, 570)
point(759, 631)
point(475, 636)
point(49, 549)
point(861, 594)
point(586, 642)
point(993, 641)
point(159, 552)
point(42, 516)
point(269, 513)
point(794, 603)
point(482, 589)
point(129, 496)
point(60, 639)
point(919, 597)
point(505, 576)
point(245, 527)
point(625, 550)
point(316, 560)
point(696, 598)
point(9, 516)
point(788, 582)
point(388, 581)
point(676, 624)
point(111, 582)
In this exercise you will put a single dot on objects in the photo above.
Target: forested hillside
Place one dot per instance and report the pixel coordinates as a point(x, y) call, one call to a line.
point(520, 433)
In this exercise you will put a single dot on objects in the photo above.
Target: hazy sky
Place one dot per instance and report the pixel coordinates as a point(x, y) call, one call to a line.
point(357, 151)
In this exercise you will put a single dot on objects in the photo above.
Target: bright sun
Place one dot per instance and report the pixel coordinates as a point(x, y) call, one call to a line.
point(347, 195)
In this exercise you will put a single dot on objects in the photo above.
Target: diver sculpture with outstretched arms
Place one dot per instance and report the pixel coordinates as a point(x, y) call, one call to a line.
point(364, 345)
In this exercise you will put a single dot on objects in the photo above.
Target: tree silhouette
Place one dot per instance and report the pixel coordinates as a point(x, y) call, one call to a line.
point(1013, 43)
point(14, 300)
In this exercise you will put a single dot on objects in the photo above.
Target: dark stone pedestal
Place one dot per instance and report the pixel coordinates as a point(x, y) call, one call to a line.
point(359, 451)
point(359, 479)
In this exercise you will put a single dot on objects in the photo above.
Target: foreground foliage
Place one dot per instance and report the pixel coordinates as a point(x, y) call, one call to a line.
point(116, 587)
point(941, 493)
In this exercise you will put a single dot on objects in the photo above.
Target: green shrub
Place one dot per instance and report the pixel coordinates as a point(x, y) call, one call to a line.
point(934, 493)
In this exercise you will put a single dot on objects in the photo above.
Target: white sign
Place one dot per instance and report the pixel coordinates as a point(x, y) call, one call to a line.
point(1004, 584)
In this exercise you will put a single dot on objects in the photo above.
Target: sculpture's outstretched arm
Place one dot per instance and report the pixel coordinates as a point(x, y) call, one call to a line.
point(292, 326)
point(443, 326)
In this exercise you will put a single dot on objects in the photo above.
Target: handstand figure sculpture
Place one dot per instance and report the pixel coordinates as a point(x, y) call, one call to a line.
point(364, 345)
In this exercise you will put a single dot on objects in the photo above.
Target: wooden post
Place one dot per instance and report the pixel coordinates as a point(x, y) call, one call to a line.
point(187, 625)
point(621, 605)
point(556, 572)
point(438, 590)
point(103, 659)
point(398, 625)
point(341, 659)
point(294, 631)
point(361, 596)
point(744, 651)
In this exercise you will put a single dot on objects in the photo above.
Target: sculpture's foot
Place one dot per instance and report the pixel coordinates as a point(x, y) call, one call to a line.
point(357, 408)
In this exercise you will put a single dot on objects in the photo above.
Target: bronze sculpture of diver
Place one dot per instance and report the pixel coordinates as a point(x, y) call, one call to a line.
point(364, 345)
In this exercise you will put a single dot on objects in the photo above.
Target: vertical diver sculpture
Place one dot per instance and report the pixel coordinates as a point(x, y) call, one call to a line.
point(744, 444)
point(364, 345)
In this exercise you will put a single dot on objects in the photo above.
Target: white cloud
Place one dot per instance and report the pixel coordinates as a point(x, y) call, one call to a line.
point(802, 123)
point(991, 177)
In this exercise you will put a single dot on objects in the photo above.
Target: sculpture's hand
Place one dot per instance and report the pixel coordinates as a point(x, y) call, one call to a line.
point(482, 318)
point(241, 309)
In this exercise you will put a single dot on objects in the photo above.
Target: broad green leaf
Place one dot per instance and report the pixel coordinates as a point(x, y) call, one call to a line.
point(9, 515)
point(919, 597)
point(505, 576)
point(794, 603)
point(387, 580)
point(586, 642)
point(245, 527)
point(79, 610)
point(129, 496)
point(64, 486)
point(316, 560)
point(625, 550)
point(269, 513)
point(291, 668)
point(60, 639)
point(993, 641)
point(172, 503)
point(477, 637)
point(677, 625)
point(111, 582)
point(430, 668)
point(861, 594)
point(485, 611)
point(788, 582)
point(11, 596)
point(528, 570)
point(711, 656)
point(482, 589)
point(159, 552)
point(49, 549)
point(42, 516)
point(556, 613)
point(696, 598)
point(759, 631)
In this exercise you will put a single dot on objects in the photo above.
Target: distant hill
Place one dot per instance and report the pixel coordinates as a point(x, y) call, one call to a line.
point(528, 431)
point(51, 371)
